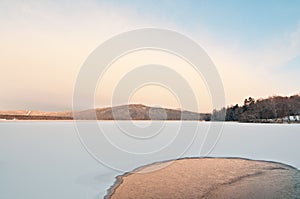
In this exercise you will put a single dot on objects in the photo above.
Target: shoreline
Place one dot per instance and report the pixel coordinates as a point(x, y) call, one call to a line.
point(119, 180)
point(135, 120)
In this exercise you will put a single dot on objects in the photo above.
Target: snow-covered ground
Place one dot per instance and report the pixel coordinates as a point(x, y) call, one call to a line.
point(48, 160)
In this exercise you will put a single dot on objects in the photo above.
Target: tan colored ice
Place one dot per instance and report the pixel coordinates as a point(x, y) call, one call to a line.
point(209, 178)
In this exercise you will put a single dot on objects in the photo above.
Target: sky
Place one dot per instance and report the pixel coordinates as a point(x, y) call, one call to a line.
point(255, 46)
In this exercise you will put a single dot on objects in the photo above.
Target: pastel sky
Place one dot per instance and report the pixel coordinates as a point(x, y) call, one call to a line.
point(254, 44)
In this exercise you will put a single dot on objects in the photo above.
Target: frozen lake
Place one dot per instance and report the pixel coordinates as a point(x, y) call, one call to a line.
point(48, 160)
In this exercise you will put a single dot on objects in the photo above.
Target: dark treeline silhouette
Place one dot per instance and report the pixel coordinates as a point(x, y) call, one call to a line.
point(262, 110)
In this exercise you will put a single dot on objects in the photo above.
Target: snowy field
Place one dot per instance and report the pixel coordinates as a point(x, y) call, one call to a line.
point(51, 159)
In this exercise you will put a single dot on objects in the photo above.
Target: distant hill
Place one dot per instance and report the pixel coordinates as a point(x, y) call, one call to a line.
point(35, 115)
point(139, 112)
point(123, 112)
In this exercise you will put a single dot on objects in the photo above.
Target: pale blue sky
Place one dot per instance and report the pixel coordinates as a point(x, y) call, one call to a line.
point(251, 21)
point(254, 44)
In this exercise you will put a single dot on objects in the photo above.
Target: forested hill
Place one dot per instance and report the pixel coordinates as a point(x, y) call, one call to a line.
point(272, 109)
point(123, 112)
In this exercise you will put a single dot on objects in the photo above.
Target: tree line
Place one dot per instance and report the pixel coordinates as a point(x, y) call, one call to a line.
point(262, 109)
